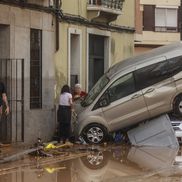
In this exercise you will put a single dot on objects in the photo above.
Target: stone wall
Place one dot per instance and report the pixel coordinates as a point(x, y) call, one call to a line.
point(41, 122)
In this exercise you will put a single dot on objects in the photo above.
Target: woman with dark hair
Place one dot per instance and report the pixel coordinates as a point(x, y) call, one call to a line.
point(64, 113)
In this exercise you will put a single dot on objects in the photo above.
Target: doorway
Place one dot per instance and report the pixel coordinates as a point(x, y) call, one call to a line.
point(74, 68)
point(96, 58)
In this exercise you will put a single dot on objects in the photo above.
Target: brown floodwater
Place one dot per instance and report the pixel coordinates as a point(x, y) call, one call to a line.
point(106, 164)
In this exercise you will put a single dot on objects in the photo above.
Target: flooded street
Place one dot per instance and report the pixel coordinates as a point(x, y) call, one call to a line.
point(108, 164)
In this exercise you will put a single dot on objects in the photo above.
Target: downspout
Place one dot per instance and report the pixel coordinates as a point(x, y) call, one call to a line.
point(58, 6)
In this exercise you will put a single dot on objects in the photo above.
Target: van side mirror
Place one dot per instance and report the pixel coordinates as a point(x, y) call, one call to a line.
point(104, 101)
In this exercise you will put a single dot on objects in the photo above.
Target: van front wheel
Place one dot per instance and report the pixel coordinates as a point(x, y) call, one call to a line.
point(94, 134)
point(178, 106)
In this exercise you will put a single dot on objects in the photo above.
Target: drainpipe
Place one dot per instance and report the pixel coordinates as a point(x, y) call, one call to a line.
point(58, 3)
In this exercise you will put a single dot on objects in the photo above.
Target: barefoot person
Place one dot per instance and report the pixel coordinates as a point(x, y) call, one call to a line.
point(3, 99)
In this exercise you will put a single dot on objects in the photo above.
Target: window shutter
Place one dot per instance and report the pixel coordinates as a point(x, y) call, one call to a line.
point(160, 17)
point(171, 17)
point(149, 18)
point(180, 19)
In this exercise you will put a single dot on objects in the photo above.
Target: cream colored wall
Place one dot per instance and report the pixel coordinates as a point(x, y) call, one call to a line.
point(79, 7)
point(161, 2)
point(61, 56)
point(159, 38)
point(75, 7)
point(121, 47)
point(128, 14)
point(121, 42)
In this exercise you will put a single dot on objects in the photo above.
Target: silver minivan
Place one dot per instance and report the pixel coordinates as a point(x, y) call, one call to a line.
point(132, 91)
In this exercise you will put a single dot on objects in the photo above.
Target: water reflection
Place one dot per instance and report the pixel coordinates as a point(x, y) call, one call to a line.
point(117, 163)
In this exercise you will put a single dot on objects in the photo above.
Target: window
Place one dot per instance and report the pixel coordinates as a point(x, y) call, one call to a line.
point(166, 19)
point(175, 65)
point(149, 18)
point(152, 74)
point(35, 69)
point(122, 87)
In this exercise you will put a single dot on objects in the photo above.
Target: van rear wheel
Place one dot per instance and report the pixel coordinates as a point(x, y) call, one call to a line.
point(178, 106)
point(94, 134)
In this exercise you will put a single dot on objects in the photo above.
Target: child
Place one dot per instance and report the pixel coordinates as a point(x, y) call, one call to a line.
point(65, 105)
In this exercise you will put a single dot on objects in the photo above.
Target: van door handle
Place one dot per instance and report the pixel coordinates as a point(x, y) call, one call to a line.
point(136, 96)
point(149, 90)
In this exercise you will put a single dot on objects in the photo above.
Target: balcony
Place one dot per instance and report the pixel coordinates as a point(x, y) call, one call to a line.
point(104, 10)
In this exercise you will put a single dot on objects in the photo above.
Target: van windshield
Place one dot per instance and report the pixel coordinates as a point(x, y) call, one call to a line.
point(94, 92)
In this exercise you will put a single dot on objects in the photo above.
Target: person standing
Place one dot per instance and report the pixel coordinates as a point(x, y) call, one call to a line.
point(78, 93)
point(3, 99)
point(64, 113)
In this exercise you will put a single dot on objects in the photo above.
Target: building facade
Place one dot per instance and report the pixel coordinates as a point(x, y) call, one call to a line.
point(27, 47)
point(47, 43)
point(93, 35)
point(157, 23)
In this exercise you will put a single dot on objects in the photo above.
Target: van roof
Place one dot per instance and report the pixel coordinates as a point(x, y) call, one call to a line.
point(137, 60)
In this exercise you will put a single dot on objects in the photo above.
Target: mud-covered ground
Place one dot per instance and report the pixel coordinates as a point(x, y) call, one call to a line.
point(109, 163)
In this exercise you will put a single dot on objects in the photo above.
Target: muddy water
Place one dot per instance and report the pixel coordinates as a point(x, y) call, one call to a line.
point(113, 164)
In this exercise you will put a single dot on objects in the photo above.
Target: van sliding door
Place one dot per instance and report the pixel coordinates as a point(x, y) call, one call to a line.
point(157, 86)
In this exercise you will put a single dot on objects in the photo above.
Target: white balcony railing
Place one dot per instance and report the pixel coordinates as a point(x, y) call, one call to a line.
point(112, 4)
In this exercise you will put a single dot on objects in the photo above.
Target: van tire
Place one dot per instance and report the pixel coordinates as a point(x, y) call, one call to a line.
point(96, 160)
point(90, 133)
point(177, 107)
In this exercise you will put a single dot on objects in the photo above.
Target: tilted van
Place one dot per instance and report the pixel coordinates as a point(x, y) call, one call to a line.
point(131, 91)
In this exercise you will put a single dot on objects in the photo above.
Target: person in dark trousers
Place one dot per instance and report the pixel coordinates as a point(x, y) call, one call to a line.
point(64, 113)
point(3, 98)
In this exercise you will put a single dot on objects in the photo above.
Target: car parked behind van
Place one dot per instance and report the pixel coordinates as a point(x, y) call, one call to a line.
point(132, 91)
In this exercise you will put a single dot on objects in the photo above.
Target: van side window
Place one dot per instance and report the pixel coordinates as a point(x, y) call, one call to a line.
point(175, 65)
point(151, 74)
point(122, 87)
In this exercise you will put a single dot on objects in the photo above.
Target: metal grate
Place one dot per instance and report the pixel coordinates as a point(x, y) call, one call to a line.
point(36, 69)
point(12, 75)
point(113, 4)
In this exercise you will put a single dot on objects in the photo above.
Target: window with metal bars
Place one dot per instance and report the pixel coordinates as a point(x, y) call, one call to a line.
point(35, 69)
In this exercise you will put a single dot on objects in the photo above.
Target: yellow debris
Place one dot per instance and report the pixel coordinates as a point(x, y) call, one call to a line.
point(52, 170)
point(52, 146)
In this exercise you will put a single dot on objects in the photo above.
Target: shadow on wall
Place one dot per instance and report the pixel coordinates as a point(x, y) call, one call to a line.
point(60, 81)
